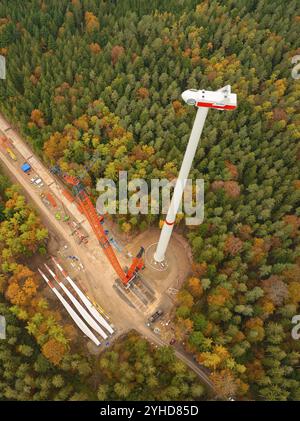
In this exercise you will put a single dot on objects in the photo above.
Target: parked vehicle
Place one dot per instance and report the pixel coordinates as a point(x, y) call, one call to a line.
point(39, 182)
point(11, 154)
point(26, 168)
point(155, 316)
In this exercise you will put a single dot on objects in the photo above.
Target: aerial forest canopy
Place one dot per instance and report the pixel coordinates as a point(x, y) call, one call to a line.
point(99, 82)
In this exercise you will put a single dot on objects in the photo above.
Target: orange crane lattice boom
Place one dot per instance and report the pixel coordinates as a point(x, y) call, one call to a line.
point(95, 222)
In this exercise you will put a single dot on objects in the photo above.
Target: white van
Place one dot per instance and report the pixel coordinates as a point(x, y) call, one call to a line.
point(39, 182)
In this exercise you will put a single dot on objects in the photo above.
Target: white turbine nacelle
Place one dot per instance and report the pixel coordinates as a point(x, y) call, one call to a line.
point(222, 99)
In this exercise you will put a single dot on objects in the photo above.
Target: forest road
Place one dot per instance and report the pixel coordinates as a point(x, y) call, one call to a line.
point(99, 276)
point(186, 358)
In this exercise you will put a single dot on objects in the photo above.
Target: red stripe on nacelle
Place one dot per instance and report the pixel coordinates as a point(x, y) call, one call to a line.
point(218, 107)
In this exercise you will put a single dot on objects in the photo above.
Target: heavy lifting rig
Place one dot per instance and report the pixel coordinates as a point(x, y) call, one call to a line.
point(95, 220)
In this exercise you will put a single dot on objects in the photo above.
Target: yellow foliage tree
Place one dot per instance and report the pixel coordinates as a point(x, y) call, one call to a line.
point(91, 22)
point(184, 298)
point(209, 359)
point(222, 352)
point(294, 291)
point(55, 146)
point(126, 227)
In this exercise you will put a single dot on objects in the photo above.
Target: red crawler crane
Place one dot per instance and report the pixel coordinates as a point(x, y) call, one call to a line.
point(95, 222)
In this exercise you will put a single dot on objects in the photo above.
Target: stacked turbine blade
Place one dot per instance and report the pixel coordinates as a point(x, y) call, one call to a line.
point(85, 321)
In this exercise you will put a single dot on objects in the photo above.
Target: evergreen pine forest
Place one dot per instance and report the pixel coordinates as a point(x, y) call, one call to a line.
point(99, 82)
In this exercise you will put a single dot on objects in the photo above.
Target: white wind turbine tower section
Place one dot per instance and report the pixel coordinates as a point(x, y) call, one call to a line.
point(77, 305)
point(221, 99)
point(79, 322)
point(94, 312)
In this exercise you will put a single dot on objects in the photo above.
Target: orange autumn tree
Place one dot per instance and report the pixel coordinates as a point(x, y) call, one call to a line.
point(179, 109)
point(199, 269)
point(116, 52)
point(55, 146)
point(255, 370)
point(22, 286)
point(91, 22)
point(82, 122)
point(37, 118)
point(195, 287)
point(255, 330)
point(219, 296)
point(293, 222)
point(233, 245)
point(245, 232)
point(95, 48)
point(54, 351)
point(232, 169)
point(142, 93)
point(258, 250)
point(183, 328)
point(232, 188)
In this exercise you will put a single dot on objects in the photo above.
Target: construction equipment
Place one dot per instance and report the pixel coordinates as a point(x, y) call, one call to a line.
point(68, 195)
point(11, 154)
point(51, 199)
point(155, 316)
point(95, 220)
point(79, 322)
point(85, 315)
